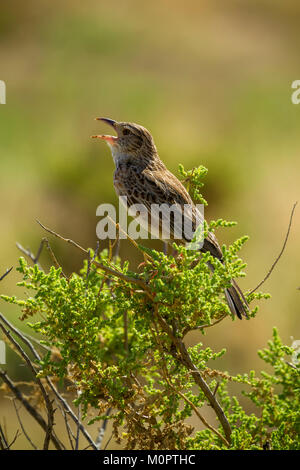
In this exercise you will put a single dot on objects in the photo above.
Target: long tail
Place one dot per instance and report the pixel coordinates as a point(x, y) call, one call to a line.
point(236, 301)
point(234, 296)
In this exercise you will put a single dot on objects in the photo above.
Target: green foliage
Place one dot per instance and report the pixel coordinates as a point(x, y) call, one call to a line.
point(193, 178)
point(120, 335)
point(275, 421)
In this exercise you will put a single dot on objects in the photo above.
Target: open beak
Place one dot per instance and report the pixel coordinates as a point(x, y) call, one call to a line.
point(110, 139)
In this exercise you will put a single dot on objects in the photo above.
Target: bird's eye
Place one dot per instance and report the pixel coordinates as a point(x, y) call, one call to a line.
point(126, 131)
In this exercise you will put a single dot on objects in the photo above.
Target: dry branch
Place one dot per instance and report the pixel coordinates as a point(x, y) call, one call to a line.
point(6, 273)
point(48, 402)
point(281, 251)
point(184, 357)
point(31, 410)
point(62, 401)
point(107, 269)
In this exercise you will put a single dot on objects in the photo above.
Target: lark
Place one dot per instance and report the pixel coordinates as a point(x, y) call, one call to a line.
point(142, 178)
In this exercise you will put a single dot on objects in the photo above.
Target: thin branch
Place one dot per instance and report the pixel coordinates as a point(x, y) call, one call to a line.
point(68, 428)
point(31, 410)
point(91, 260)
point(280, 254)
point(22, 427)
point(291, 365)
point(106, 269)
point(116, 243)
point(50, 424)
point(44, 242)
point(3, 441)
point(183, 396)
point(188, 363)
point(39, 252)
point(201, 327)
point(20, 335)
point(14, 440)
point(201, 417)
point(54, 259)
point(64, 403)
point(48, 403)
point(6, 273)
point(67, 240)
point(216, 388)
point(96, 251)
point(35, 340)
point(78, 426)
point(102, 430)
point(119, 228)
point(108, 441)
point(27, 252)
point(70, 412)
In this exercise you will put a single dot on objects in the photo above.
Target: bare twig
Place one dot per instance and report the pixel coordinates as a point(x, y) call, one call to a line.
point(68, 428)
point(216, 388)
point(3, 441)
point(67, 240)
point(35, 340)
point(70, 412)
point(31, 410)
point(6, 273)
point(117, 242)
point(14, 440)
point(201, 327)
point(78, 426)
point(102, 430)
point(39, 252)
point(106, 269)
point(48, 402)
point(20, 335)
point(280, 254)
point(119, 228)
point(291, 365)
point(56, 263)
point(44, 242)
point(96, 251)
point(91, 260)
point(22, 427)
point(108, 441)
point(27, 252)
point(50, 423)
point(63, 402)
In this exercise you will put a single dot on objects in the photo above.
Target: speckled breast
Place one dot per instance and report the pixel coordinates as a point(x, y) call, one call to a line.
point(119, 178)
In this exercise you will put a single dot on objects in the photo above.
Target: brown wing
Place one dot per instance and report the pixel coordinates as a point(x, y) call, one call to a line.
point(160, 186)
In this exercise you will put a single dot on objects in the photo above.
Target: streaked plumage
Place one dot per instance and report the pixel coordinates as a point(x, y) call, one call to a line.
point(142, 177)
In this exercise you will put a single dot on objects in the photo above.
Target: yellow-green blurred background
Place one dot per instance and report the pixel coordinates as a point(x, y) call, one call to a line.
point(210, 79)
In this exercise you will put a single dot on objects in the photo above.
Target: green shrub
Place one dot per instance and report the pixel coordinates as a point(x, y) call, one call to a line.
point(120, 337)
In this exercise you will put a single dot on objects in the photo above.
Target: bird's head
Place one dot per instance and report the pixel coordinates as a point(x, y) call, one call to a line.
point(131, 141)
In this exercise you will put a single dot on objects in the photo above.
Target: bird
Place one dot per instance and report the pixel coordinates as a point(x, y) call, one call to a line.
point(142, 178)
